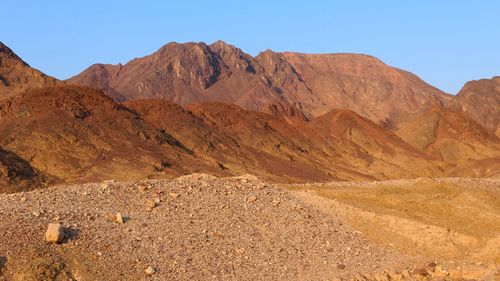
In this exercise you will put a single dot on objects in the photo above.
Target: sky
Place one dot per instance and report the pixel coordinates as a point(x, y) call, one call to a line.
point(446, 43)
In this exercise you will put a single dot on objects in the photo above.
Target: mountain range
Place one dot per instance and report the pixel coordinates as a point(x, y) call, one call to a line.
point(285, 117)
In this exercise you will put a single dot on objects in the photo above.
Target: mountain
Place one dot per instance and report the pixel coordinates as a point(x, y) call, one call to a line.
point(212, 108)
point(78, 134)
point(320, 83)
point(235, 149)
point(481, 101)
point(451, 136)
point(311, 84)
point(186, 73)
point(17, 76)
point(340, 144)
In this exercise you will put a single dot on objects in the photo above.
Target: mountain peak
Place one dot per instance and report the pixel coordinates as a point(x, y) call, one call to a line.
point(6, 51)
point(313, 83)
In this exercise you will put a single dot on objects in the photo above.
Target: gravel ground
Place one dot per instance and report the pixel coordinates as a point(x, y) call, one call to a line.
point(202, 228)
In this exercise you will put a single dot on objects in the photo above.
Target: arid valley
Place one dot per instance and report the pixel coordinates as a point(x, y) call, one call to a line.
point(199, 161)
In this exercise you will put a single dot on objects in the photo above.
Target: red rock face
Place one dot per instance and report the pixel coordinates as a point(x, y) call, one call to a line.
point(312, 84)
point(17, 76)
point(186, 73)
point(360, 83)
point(481, 101)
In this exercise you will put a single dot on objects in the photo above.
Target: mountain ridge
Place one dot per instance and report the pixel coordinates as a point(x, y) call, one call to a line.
point(223, 72)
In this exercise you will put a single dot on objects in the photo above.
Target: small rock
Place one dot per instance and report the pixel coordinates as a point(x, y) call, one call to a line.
point(174, 195)
point(341, 266)
point(157, 200)
point(432, 264)
point(380, 277)
point(396, 276)
point(23, 199)
point(420, 271)
point(240, 251)
point(439, 271)
point(119, 218)
point(150, 270)
point(150, 204)
point(55, 233)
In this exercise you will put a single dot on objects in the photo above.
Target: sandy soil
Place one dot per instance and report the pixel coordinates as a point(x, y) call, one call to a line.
point(453, 220)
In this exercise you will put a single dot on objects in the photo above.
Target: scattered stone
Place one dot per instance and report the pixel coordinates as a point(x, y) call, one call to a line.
point(174, 195)
point(23, 199)
point(150, 271)
point(420, 271)
point(439, 271)
point(380, 277)
point(157, 200)
point(150, 204)
point(240, 251)
point(55, 233)
point(119, 218)
point(396, 276)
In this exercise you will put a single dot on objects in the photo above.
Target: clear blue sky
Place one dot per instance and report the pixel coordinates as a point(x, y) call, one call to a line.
point(445, 42)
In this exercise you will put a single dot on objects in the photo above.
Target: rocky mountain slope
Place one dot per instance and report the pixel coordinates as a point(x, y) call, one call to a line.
point(17, 76)
point(314, 84)
point(77, 134)
point(319, 83)
point(481, 101)
point(17, 174)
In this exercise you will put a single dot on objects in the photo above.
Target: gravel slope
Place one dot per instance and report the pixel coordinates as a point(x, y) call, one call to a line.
point(203, 228)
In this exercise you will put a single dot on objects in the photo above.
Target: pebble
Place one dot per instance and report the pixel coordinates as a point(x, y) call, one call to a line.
point(150, 270)
point(119, 218)
point(55, 233)
point(150, 204)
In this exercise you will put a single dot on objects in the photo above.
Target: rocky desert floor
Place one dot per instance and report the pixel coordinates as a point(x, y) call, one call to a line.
point(200, 227)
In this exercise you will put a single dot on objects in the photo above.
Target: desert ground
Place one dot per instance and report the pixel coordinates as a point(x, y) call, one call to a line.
point(200, 227)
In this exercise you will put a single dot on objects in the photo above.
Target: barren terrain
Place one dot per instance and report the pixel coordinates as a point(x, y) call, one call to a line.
point(200, 227)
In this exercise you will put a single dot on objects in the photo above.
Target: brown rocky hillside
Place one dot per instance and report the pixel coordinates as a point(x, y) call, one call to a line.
point(17, 76)
point(455, 138)
point(314, 84)
point(79, 134)
point(481, 101)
